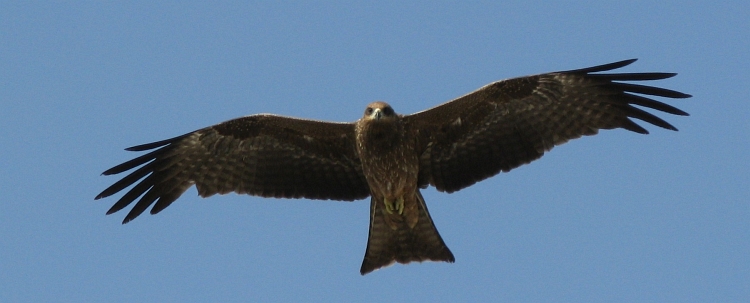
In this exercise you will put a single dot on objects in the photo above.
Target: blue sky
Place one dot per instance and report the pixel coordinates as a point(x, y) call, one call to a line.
point(617, 217)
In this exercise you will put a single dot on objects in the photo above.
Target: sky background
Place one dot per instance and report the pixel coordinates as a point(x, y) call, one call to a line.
point(618, 217)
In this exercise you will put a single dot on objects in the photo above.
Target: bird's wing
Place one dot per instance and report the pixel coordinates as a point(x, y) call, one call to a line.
point(512, 122)
point(262, 155)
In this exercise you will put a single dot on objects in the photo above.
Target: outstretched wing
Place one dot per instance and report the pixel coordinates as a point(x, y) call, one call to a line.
point(262, 155)
point(512, 122)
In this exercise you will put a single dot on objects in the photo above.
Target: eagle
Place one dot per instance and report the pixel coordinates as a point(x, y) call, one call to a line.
point(390, 157)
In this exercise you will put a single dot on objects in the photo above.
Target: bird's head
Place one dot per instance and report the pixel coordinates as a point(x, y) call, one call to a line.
point(379, 111)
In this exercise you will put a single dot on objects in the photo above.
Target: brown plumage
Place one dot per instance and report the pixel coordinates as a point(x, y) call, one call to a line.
point(389, 157)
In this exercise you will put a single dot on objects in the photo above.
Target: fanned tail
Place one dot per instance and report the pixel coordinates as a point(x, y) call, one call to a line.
point(403, 245)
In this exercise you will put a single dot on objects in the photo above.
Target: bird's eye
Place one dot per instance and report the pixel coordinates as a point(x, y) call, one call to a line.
point(388, 111)
point(368, 111)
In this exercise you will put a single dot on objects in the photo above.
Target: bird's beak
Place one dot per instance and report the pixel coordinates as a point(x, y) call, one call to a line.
point(376, 114)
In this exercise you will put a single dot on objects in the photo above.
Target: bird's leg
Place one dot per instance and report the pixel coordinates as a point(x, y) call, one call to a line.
point(388, 206)
point(398, 206)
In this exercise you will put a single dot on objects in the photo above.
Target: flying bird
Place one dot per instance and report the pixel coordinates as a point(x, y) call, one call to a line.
point(389, 157)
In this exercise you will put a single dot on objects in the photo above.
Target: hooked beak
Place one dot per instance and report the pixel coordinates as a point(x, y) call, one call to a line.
point(376, 114)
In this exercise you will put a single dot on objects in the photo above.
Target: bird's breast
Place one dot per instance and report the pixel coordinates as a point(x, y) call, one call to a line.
point(389, 163)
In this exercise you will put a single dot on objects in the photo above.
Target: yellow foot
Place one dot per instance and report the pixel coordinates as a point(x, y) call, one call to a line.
point(398, 207)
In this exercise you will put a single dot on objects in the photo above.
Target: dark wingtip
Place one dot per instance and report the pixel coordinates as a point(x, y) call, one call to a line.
point(603, 67)
point(632, 76)
point(148, 146)
point(679, 112)
point(634, 127)
point(156, 144)
point(105, 193)
point(669, 127)
point(130, 217)
point(115, 208)
point(109, 212)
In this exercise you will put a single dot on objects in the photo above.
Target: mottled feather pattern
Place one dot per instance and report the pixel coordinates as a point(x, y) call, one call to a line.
point(268, 163)
point(266, 166)
point(386, 245)
point(494, 129)
point(513, 122)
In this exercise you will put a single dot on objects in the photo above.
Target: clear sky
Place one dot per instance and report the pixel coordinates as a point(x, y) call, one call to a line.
point(618, 217)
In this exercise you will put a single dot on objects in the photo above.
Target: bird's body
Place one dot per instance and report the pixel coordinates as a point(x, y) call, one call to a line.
point(390, 157)
point(390, 162)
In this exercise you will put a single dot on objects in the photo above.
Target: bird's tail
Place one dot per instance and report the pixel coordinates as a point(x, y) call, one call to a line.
point(386, 245)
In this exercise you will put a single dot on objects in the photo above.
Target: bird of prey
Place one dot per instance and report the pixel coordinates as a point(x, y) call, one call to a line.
point(389, 157)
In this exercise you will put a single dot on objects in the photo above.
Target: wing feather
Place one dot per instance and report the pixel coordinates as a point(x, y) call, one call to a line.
point(512, 122)
point(262, 155)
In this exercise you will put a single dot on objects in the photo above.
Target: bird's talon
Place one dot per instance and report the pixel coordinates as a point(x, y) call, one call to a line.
point(388, 206)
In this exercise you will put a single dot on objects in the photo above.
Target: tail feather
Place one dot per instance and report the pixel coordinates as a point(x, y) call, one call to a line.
point(404, 244)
